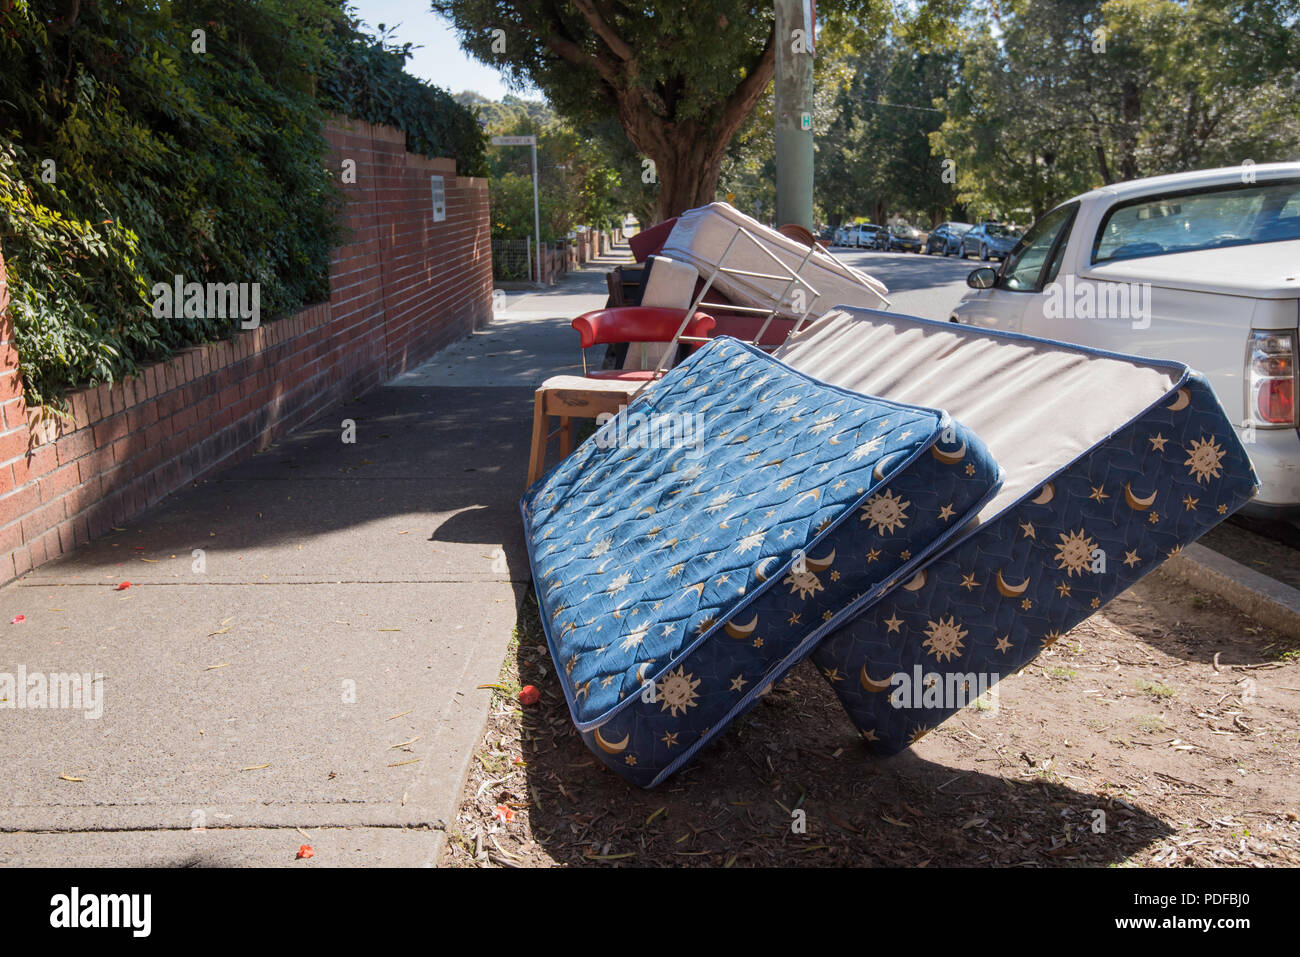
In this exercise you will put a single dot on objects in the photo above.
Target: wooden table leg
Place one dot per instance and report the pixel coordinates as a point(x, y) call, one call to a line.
point(566, 436)
point(537, 454)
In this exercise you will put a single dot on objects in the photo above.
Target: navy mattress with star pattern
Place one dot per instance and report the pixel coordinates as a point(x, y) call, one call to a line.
point(1145, 461)
point(702, 542)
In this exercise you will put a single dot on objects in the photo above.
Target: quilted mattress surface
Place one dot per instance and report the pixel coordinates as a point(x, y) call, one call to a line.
point(676, 584)
point(1113, 464)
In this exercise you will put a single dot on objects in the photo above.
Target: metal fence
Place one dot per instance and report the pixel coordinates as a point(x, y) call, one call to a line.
point(512, 259)
point(515, 260)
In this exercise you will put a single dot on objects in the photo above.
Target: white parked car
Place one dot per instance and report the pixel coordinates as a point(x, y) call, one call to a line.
point(1200, 267)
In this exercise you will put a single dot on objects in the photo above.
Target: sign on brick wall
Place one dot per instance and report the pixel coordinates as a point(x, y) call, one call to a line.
point(439, 191)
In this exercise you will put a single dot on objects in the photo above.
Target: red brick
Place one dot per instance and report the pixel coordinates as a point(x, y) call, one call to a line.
point(67, 536)
point(74, 445)
point(84, 496)
point(96, 463)
point(11, 536)
point(52, 542)
point(15, 414)
point(40, 461)
point(13, 444)
point(58, 483)
point(110, 430)
point(11, 385)
point(14, 507)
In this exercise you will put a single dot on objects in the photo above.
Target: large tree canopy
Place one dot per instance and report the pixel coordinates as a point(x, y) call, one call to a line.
point(680, 78)
point(1058, 96)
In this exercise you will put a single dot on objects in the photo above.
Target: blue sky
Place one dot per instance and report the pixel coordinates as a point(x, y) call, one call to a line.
point(440, 58)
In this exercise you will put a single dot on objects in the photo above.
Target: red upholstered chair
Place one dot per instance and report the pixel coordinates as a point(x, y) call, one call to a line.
point(636, 324)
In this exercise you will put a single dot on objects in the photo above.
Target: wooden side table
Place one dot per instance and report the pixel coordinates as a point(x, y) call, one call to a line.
point(572, 397)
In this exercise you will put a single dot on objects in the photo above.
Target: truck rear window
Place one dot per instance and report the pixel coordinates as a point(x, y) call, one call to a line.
point(1204, 219)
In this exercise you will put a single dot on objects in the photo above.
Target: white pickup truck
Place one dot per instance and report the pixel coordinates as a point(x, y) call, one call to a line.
point(1201, 267)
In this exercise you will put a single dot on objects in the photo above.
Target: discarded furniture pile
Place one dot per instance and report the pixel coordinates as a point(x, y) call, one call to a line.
point(921, 507)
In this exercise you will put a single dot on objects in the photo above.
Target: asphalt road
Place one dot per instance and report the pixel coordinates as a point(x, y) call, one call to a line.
point(919, 285)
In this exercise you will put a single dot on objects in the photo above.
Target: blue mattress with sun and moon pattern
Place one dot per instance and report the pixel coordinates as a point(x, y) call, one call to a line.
point(1122, 462)
point(704, 540)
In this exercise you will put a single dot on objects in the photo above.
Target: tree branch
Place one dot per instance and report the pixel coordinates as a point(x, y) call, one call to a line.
point(617, 45)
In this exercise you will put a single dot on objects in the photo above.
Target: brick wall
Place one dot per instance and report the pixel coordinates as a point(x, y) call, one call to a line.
point(401, 288)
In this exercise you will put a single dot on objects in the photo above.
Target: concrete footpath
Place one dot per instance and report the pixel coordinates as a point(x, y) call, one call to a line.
point(297, 657)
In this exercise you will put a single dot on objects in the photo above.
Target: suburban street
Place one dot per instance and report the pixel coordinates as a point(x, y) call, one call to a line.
point(925, 286)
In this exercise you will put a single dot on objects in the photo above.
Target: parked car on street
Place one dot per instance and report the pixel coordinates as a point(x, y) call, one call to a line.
point(946, 238)
point(904, 239)
point(869, 236)
point(989, 241)
point(1200, 267)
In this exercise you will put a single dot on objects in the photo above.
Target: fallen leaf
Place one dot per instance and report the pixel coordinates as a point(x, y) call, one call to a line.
point(69, 777)
point(256, 767)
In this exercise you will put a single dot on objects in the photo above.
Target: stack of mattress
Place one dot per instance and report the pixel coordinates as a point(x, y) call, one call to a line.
point(921, 506)
point(678, 580)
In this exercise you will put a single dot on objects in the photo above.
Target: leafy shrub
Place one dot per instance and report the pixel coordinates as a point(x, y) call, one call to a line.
point(128, 155)
point(370, 83)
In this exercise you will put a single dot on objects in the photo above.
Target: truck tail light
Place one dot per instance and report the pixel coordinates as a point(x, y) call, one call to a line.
point(1271, 378)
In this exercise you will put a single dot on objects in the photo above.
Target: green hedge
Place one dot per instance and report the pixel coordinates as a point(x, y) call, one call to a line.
point(371, 84)
point(167, 161)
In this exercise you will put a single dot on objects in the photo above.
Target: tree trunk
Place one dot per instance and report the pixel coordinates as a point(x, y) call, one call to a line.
point(688, 171)
point(1130, 120)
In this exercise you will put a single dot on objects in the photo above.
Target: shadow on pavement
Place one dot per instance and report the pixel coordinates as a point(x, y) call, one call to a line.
point(446, 464)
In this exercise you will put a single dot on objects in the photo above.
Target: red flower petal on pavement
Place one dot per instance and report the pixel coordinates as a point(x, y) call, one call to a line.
point(123, 586)
point(529, 695)
point(17, 619)
point(503, 813)
point(306, 851)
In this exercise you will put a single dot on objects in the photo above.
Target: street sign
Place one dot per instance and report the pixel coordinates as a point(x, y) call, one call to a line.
point(805, 121)
point(514, 141)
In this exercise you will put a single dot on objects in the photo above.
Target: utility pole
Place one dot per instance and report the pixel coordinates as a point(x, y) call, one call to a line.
point(795, 26)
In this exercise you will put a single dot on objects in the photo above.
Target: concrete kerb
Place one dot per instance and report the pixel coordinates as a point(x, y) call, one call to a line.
point(1270, 602)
